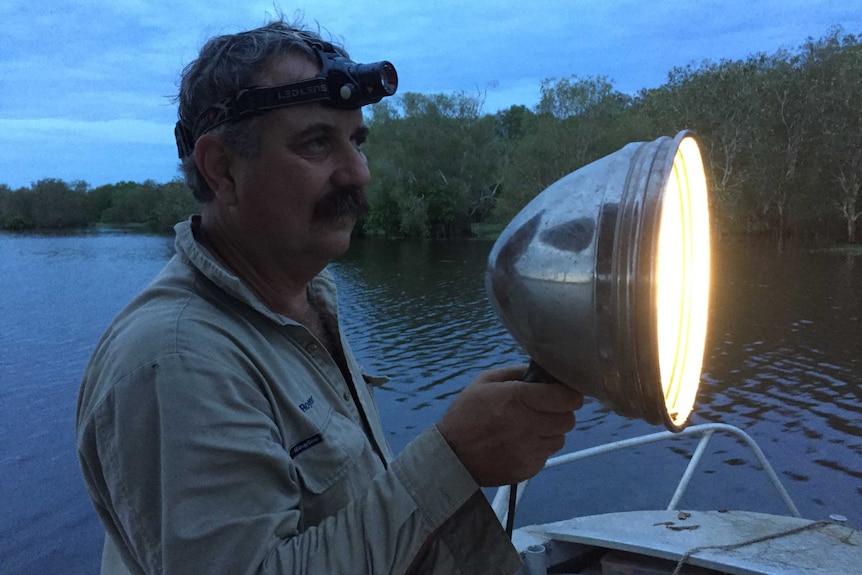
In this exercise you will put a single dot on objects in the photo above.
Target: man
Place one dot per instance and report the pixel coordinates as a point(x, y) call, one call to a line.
point(224, 425)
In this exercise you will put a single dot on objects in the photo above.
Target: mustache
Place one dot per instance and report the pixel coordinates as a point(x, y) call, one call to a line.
point(340, 202)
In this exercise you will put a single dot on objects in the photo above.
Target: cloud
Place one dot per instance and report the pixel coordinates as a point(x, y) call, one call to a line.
point(103, 72)
point(75, 132)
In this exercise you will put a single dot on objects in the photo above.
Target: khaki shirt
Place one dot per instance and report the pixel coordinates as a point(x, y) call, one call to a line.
point(218, 437)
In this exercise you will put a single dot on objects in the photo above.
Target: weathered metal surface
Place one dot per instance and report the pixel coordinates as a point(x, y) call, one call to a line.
point(720, 540)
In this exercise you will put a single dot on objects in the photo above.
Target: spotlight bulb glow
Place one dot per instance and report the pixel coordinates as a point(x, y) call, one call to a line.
point(682, 281)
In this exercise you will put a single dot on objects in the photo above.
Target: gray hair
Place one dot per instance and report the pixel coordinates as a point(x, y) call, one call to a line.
point(225, 65)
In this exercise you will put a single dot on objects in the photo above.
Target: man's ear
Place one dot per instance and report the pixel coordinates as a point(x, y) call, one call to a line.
point(214, 160)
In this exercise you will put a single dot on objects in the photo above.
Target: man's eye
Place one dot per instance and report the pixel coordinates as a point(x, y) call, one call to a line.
point(317, 146)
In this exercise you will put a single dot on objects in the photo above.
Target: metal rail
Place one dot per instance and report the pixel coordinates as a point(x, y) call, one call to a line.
point(706, 431)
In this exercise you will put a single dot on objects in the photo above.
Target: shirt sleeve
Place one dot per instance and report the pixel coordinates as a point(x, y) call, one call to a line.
point(190, 475)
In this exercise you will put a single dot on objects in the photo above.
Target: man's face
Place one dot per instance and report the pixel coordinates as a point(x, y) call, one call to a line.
point(298, 199)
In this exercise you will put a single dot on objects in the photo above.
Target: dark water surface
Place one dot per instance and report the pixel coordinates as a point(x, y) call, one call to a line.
point(784, 362)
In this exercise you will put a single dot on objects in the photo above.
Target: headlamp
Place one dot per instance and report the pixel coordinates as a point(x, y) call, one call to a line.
point(341, 83)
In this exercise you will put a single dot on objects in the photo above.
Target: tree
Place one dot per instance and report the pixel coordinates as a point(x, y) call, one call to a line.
point(440, 159)
point(834, 68)
point(583, 108)
point(173, 202)
point(568, 130)
point(59, 204)
point(8, 213)
point(511, 124)
point(787, 123)
point(720, 103)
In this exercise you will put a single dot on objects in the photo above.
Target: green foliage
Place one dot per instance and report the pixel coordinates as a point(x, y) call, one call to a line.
point(55, 204)
point(577, 121)
point(780, 135)
point(834, 66)
point(48, 203)
point(172, 202)
point(433, 160)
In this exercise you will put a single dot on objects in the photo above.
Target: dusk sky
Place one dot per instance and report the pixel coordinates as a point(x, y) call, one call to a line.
point(87, 87)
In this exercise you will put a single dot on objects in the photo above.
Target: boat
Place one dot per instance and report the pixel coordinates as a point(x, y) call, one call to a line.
point(677, 541)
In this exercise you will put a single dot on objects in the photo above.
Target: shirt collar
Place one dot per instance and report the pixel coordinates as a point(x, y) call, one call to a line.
point(196, 255)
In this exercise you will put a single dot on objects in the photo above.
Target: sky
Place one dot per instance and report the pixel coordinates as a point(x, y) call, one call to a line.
point(87, 87)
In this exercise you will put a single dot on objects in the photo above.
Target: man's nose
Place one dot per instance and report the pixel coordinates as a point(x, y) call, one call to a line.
point(352, 169)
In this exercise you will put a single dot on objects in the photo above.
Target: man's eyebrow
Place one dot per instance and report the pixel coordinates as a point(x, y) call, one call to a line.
point(321, 128)
point(316, 129)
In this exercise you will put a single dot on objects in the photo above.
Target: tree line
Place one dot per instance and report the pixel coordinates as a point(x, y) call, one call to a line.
point(55, 204)
point(781, 137)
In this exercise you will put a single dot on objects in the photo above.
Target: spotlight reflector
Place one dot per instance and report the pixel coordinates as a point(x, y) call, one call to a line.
point(603, 278)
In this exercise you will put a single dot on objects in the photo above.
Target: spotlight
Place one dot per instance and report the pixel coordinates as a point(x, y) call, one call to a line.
point(603, 279)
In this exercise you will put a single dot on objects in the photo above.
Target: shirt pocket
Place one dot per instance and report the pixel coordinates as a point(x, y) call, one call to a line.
point(325, 457)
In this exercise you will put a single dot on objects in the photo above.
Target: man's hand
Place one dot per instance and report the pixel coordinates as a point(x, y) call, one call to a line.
point(503, 429)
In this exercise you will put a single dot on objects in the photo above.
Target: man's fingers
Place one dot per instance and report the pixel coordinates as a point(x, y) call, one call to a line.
point(503, 428)
point(551, 397)
point(509, 373)
point(555, 424)
point(545, 397)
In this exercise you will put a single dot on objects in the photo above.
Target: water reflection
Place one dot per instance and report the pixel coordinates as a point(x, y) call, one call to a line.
point(783, 363)
point(421, 307)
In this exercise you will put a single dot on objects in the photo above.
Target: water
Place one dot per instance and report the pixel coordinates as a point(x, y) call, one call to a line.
point(784, 362)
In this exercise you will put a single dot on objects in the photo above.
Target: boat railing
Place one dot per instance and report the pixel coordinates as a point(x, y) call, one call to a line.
point(501, 503)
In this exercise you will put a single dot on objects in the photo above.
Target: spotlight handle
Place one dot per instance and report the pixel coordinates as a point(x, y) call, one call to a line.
point(535, 373)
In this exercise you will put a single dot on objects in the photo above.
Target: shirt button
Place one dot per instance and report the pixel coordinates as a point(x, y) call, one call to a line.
point(311, 348)
point(346, 395)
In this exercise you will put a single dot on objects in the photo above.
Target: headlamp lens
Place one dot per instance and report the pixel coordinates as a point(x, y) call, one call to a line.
point(377, 80)
point(389, 78)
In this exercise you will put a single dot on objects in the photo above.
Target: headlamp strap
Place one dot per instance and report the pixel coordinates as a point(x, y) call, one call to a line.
point(257, 100)
point(249, 102)
point(185, 141)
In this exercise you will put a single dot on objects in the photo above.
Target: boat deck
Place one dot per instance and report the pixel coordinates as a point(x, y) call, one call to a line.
point(678, 542)
point(731, 542)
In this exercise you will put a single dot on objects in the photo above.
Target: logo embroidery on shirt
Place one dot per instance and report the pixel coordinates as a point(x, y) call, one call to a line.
point(305, 444)
point(309, 403)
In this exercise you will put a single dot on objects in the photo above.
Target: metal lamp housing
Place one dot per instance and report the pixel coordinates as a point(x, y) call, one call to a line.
point(603, 278)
